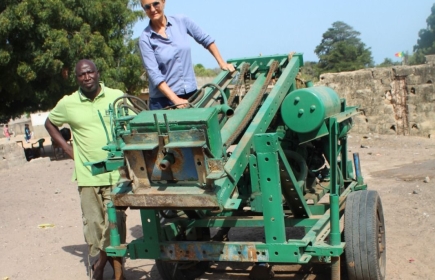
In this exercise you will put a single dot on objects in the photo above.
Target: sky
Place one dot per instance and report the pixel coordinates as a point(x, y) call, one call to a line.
point(243, 28)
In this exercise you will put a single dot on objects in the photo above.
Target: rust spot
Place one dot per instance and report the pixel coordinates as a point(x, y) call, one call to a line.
point(351, 264)
point(181, 253)
point(151, 158)
point(177, 166)
point(215, 165)
point(252, 254)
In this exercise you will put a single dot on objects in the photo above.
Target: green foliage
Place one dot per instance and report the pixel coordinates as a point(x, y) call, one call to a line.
point(310, 72)
point(416, 58)
point(41, 41)
point(201, 71)
point(426, 42)
point(342, 50)
point(4, 119)
point(388, 63)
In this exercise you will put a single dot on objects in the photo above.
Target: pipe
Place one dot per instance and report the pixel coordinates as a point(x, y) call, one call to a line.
point(115, 240)
point(233, 123)
point(224, 97)
point(129, 97)
point(167, 161)
point(334, 235)
point(335, 268)
point(358, 175)
point(302, 175)
point(104, 126)
point(227, 110)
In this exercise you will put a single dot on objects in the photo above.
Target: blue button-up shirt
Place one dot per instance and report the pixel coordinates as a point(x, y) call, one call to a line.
point(169, 59)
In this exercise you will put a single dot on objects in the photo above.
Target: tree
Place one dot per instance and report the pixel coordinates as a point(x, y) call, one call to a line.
point(41, 41)
point(201, 71)
point(342, 50)
point(388, 63)
point(426, 42)
point(310, 71)
point(416, 58)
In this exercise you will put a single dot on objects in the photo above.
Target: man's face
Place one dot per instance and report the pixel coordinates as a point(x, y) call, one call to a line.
point(87, 76)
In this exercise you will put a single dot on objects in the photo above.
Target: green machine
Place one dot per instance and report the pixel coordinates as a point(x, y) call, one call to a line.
point(257, 148)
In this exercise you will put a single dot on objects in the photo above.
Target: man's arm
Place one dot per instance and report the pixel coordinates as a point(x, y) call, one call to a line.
point(57, 137)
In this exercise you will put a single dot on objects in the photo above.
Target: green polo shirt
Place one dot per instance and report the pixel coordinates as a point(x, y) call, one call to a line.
point(89, 136)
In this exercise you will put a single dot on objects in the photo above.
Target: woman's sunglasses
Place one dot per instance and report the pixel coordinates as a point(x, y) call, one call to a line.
point(147, 7)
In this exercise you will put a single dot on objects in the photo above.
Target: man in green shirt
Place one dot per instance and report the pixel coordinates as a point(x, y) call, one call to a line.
point(80, 111)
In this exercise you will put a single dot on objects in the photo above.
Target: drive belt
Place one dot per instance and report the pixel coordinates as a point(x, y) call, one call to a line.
point(254, 106)
point(240, 81)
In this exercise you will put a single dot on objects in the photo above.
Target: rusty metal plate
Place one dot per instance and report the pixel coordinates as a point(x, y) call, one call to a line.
point(164, 197)
point(186, 138)
point(141, 141)
point(137, 169)
point(213, 251)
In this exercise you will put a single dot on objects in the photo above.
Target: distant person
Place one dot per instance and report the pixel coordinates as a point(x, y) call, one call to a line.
point(164, 45)
point(27, 133)
point(80, 111)
point(6, 132)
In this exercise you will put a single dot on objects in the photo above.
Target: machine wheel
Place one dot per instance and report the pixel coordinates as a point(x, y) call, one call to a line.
point(184, 270)
point(364, 234)
point(181, 270)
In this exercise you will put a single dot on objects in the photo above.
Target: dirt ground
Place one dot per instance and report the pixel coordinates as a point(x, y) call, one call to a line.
point(41, 192)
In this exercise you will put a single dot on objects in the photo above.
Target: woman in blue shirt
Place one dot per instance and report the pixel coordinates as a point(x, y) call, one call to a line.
point(164, 45)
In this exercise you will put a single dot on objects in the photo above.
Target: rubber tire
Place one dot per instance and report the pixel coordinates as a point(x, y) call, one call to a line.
point(166, 270)
point(364, 233)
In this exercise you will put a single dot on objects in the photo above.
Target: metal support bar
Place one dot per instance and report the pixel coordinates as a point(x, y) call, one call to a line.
point(148, 246)
point(115, 249)
point(357, 164)
point(335, 236)
point(270, 184)
point(291, 189)
point(114, 234)
point(259, 124)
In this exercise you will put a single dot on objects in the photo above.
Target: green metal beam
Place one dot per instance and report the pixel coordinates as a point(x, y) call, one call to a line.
point(239, 158)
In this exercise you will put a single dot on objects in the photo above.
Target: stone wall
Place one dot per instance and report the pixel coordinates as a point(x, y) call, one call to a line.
point(396, 100)
point(200, 81)
point(11, 155)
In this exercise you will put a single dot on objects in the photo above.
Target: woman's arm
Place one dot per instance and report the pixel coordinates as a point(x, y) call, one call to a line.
point(166, 90)
point(213, 49)
point(154, 74)
point(207, 42)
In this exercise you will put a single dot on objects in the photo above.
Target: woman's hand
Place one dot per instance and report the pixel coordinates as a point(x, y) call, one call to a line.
point(180, 102)
point(213, 49)
point(227, 67)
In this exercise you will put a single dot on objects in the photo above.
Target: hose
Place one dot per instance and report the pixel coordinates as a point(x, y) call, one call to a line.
point(302, 175)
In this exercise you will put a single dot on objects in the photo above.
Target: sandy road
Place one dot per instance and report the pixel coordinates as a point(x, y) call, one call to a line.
point(40, 192)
